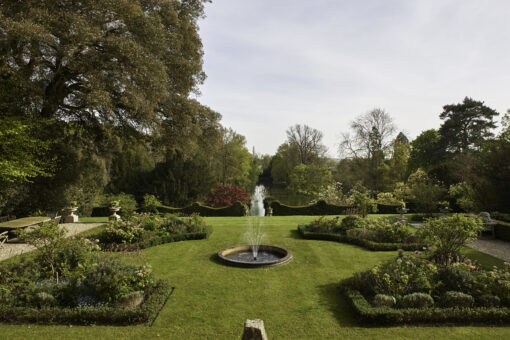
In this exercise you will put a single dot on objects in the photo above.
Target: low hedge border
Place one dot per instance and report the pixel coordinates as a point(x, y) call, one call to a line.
point(319, 208)
point(370, 245)
point(415, 316)
point(236, 209)
point(145, 314)
point(502, 230)
point(156, 241)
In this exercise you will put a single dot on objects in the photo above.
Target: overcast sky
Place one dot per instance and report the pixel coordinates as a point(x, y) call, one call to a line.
point(271, 64)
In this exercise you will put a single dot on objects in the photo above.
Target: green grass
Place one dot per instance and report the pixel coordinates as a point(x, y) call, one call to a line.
point(93, 219)
point(296, 301)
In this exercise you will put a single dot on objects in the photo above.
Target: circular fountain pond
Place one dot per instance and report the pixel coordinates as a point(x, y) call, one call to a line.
point(265, 256)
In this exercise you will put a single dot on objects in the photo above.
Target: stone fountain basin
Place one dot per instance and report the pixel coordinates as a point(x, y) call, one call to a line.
point(268, 256)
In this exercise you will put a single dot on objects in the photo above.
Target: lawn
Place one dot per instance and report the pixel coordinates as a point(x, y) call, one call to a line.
point(296, 301)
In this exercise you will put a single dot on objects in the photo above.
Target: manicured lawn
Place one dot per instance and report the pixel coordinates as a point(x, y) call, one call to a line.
point(93, 219)
point(296, 301)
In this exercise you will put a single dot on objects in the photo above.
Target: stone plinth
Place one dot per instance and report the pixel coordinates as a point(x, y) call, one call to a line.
point(254, 330)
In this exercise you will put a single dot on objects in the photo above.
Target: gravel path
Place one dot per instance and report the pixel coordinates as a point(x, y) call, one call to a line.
point(496, 248)
point(12, 249)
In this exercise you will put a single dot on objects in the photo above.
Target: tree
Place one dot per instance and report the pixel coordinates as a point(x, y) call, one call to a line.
point(308, 143)
point(373, 132)
point(425, 151)
point(372, 138)
point(399, 158)
point(466, 125)
point(282, 163)
point(23, 156)
point(425, 192)
point(234, 160)
point(309, 180)
point(225, 196)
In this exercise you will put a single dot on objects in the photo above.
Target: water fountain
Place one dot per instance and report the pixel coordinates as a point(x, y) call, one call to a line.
point(257, 201)
point(256, 254)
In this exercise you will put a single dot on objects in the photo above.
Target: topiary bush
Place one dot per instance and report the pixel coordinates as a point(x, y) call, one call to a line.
point(457, 299)
point(488, 300)
point(381, 300)
point(416, 300)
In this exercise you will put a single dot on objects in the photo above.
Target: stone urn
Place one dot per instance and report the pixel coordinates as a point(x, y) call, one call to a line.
point(114, 210)
point(71, 217)
point(402, 211)
point(269, 211)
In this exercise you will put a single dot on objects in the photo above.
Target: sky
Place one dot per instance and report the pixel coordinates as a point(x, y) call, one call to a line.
point(271, 64)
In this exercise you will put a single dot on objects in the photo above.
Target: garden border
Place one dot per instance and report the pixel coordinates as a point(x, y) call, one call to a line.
point(159, 240)
point(144, 314)
point(370, 245)
point(413, 316)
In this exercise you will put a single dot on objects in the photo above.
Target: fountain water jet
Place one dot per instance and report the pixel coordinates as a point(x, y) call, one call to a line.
point(257, 201)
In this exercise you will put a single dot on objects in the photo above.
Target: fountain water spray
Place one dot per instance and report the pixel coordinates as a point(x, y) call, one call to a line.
point(257, 201)
point(254, 235)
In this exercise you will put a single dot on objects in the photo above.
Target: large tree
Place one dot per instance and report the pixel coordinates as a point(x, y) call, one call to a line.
point(308, 143)
point(466, 125)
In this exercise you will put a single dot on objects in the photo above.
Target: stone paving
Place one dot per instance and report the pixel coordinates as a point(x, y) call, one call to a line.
point(496, 248)
point(12, 249)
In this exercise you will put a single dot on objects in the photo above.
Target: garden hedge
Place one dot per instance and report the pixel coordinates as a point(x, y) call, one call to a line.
point(502, 230)
point(144, 314)
point(156, 241)
point(236, 209)
point(370, 245)
point(319, 208)
point(391, 316)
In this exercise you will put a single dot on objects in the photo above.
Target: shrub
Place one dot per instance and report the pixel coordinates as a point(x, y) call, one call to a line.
point(324, 225)
point(319, 208)
point(449, 234)
point(381, 300)
point(150, 203)
point(488, 300)
point(121, 231)
point(457, 299)
point(224, 196)
point(350, 222)
point(455, 278)
point(416, 300)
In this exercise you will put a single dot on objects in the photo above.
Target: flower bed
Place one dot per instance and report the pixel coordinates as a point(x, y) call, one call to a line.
point(378, 234)
point(68, 281)
point(412, 289)
point(146, 230)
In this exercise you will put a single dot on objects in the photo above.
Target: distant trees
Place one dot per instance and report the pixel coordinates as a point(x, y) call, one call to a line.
point(467, 126)
point(309, 180)
point(307, 142)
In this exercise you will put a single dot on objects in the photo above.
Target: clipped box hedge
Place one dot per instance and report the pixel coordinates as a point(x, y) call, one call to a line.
point(370, 245)
point(319, 208)
point(409, 316)
point(144, 314)
point(236, 209)
point(502, 230)
point(156, 241)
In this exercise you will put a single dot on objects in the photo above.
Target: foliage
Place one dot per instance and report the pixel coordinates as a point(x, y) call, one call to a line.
point(234, 160)
point(363, 202)
point(464, 196)
point(237, 209)
point(466, 125)
point(332, 194)
point(424, 191)
point(449, 234)
point(225, 196)
point(23, 156)
point(121, 232)
point(381, 300)
point(150, 203)
point(457, 299)
point(425, 151)
point(49, 240)
point(324, 225)
point(309, 180)
point(319, 208)
point(416, 300)
point(399, 157)
point(127, 202)
point(308, 142)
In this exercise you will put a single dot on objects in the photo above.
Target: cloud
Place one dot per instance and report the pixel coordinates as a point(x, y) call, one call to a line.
point(272, 64)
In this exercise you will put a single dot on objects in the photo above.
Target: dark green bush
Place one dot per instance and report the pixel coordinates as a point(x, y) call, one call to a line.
point(455, 278)
point(416, 300)
point(381, 300)
point(488, 300)
point(350, 222)
point(457, 299)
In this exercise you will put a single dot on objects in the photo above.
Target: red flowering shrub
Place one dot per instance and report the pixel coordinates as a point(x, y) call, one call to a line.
point(224, 196)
